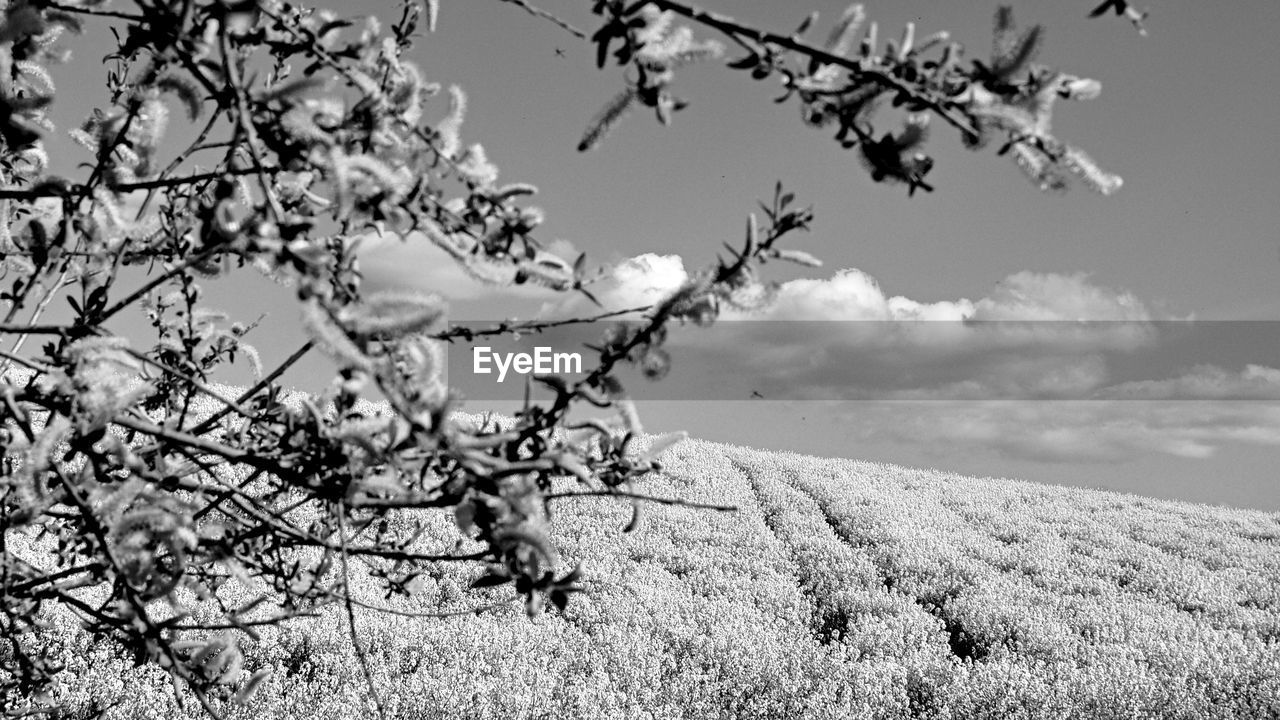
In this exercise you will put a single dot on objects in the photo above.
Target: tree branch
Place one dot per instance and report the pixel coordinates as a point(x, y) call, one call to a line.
point(858, 69)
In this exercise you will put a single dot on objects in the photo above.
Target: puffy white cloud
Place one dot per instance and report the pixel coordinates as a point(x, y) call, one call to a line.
point(641, 280)
point(1030, 296)
point(1026, 309)
point(851, 295)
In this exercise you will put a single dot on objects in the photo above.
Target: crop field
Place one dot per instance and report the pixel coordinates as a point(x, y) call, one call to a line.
point(839, 589)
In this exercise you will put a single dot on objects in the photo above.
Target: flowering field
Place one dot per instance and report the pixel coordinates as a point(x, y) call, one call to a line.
point(840, 589)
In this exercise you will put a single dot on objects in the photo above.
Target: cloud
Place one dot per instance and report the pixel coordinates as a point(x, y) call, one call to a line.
point(1071, 432)
point(1024, 310)
point(854, 295)
point(851, 295)
point(1203, 382)
point(1029, 296)
point(1043, 367)
point(1033, 335)
point(389, 261)
point(642, 280)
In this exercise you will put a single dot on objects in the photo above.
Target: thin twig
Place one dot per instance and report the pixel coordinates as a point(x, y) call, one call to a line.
point(204, 426)
point(181, 158)
point(245, 120)
point(156, 282)
point(34, 329)
point(187, 179)
point(197, 443)
point(51, 578)
point(273, 620)
point(539, 12)
point(35, 315)
point(154, 184)
point(638, 496)
point(532, 326)
point(351, 613)
point(194, 382)
point(439, 615)
point(10, 357)
point(411, 556)
point(98, 13)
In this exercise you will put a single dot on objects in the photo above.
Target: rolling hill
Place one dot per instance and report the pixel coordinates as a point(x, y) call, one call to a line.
point(840, 589)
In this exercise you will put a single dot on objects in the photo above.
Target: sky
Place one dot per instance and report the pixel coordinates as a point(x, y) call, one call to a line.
point(1005, 381)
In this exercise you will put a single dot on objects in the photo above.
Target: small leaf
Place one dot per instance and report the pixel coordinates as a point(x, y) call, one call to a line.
point(290, 89)
point(490, 580)
point(433, 14)
point(655, 364)
point(664, 108)
point(806, 24)
point(572, 577)
point(576, 468)
point(664, 442)
point(606, 118)
point(635, 518)
point(464, 514)
point(799, 257)
point(555, 382)
point(251, 686)
point(908, 41)
point(533, 606)
point(841, 37)
point(332, 25)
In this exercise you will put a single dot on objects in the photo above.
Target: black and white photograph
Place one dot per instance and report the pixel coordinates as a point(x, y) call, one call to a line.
point(639, 359)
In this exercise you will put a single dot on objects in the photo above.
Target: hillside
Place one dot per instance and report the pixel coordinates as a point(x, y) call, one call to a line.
point(840, 589)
